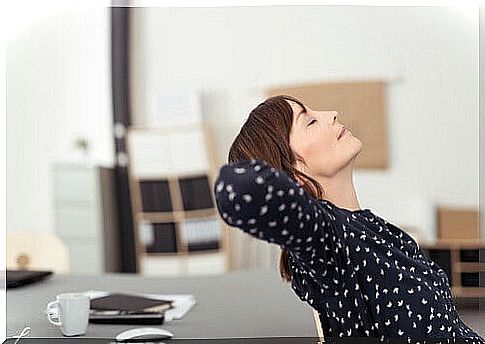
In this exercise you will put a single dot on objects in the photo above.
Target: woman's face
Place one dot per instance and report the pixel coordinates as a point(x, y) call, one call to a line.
point(314, 137)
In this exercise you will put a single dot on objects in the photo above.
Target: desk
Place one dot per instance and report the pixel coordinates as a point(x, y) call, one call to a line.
point(253, 303)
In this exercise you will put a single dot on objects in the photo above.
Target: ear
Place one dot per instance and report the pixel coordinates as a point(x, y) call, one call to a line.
point(302, 168)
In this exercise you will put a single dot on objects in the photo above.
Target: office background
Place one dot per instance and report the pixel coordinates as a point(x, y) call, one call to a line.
point(59, 89)
point(59, 99)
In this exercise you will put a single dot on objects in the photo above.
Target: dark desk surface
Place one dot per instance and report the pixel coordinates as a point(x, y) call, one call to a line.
point(255, 303)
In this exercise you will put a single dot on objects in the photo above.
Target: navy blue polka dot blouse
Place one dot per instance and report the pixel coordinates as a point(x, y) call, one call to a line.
point(363, 275)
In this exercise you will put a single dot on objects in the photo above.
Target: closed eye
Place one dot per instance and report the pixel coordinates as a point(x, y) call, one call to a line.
point(311, 122)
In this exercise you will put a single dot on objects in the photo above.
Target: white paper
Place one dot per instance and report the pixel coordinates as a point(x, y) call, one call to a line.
point(174, 107)
point(182, 304)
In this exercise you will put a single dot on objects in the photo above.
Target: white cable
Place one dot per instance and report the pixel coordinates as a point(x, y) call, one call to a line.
point(25, 332)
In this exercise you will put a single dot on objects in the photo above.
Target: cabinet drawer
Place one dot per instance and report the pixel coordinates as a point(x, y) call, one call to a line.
point(77, 223)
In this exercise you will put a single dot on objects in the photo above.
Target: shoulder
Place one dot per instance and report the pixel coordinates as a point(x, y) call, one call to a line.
point(329, 208)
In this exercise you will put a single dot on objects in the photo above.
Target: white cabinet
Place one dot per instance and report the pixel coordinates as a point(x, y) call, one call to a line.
point(85, 216)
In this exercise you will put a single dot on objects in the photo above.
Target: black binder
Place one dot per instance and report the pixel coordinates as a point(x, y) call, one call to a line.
point(130, 303)
point(119, 308)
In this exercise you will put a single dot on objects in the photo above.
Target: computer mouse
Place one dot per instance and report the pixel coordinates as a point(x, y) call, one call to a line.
point(143, 333)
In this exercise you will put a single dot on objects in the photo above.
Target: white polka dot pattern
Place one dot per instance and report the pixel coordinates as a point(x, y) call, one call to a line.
point(268, 204)
point(364, 276)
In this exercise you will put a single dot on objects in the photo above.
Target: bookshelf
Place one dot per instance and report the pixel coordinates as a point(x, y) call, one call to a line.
point(171, 173)
point(464, 264)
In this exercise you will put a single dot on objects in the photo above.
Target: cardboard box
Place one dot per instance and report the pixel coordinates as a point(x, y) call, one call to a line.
point(457, 224)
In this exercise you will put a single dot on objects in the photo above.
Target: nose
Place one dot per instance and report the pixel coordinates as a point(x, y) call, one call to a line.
point(333, 116)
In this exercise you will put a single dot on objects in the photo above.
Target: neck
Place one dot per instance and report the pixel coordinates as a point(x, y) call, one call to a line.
point(339, 189)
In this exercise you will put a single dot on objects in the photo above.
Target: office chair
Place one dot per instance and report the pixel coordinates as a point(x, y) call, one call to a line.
point(318, 325)
point(36, 251)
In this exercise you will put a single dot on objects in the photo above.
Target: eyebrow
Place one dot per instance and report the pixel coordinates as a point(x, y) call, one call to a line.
point(298, 115)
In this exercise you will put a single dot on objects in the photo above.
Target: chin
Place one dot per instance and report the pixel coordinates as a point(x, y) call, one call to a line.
point(358, 144)
point(356, 150)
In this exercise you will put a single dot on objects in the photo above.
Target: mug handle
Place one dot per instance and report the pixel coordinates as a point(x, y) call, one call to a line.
point(53, 314)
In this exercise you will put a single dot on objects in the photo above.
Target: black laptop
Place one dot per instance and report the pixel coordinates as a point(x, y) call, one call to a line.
point(17, 278)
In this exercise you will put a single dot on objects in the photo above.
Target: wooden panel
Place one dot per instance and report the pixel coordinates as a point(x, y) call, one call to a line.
point(362, 109)
point(467, 292)
point(471, 267)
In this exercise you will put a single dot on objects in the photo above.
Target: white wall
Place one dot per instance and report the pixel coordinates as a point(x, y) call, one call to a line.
point(58, 86)
point(429, 55)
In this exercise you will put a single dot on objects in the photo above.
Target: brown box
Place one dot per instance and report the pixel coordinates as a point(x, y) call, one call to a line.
point(457, 224)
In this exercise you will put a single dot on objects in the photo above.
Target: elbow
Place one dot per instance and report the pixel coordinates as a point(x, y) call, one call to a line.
point(222, 195)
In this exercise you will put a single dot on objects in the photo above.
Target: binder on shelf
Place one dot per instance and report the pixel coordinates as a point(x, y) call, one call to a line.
point(201, 234)
point(472, 279)
point(159, 237)
point(196, 193)
point(472, 255)
point(155, 196)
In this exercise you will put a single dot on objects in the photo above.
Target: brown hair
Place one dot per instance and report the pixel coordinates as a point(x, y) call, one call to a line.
point(266, 136)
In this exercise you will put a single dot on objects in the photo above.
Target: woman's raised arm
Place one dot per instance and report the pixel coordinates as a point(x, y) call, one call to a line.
point(269, 205)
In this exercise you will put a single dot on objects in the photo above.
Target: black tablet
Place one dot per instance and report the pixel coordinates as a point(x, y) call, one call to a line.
point(17, 278)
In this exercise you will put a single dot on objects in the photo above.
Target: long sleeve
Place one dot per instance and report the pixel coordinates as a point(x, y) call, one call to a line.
point(269, 205)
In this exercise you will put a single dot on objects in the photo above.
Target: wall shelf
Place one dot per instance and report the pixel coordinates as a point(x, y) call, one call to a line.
point(464, 264)
point(171, 173)
point(171, 216)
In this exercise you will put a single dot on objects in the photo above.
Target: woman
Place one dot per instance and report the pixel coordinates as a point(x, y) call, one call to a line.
point(289, 182)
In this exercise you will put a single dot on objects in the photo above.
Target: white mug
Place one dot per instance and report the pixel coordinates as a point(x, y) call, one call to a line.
point(70, 311)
